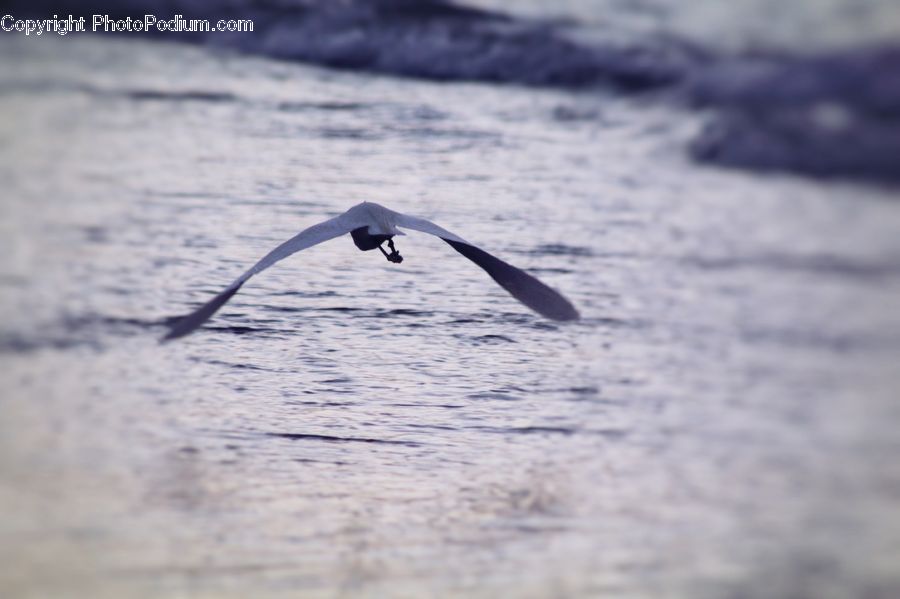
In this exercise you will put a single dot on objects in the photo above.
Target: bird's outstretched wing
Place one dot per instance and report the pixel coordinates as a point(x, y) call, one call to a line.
point(329, 229)
point(527, 289)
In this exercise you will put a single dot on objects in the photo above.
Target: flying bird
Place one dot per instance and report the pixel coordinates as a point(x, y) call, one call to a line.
point(371, 226)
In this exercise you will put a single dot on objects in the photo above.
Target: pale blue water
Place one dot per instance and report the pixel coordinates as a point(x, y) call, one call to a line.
point(722, 423)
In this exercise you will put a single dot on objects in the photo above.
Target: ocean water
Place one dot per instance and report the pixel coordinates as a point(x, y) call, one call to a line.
point(721, 423)
point(805, 26)
point(807, 87)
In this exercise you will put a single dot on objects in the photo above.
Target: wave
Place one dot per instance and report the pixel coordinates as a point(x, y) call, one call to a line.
point(430, 39)
point(831, 115)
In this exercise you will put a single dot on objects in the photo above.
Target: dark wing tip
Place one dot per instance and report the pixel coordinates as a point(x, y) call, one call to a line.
point(538, 296)
point(565, 310)
point(188, 324)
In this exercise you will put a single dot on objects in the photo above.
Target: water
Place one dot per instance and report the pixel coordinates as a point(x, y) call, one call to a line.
point(810, 88)
point(807, 26)
point(722, 422)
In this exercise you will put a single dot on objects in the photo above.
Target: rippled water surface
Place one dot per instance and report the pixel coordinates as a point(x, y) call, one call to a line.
point(721, 423)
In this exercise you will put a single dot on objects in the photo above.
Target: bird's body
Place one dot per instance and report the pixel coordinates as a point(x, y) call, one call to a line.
point(371, 225)
point(378, 219)
point(365, 241)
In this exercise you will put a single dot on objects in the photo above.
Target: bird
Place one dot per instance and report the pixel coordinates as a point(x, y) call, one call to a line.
point(372, 225)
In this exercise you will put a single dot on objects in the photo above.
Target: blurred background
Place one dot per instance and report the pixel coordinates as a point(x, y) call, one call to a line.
point(714, 186)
